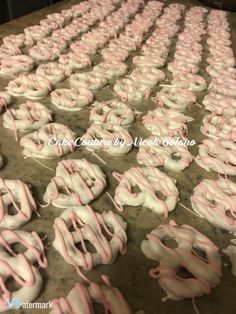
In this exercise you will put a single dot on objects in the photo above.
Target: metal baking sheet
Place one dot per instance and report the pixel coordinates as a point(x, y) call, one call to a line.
point(130, 272)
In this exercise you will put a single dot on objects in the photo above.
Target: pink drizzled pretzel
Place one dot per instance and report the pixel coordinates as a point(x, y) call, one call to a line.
point(149, 181)
point(77, 182)
point(71, 99)
point(175, 98)
point(149, 61)
point(214, 201)
point(58, 17)
point(111, 69)
point(215, 71)
point(15, 65)
point(15, 192)
point(216, 155)
point(20, 266)
point(81, 47)
point(166, 122)
point(43, 52)
point(182, 66)
point(7, 51)
point(52, 24)
point(75, 60)
point(182, 55)
point(5, 100)
point(224, 85)
point(114, 54)
point(88, 80)
point(46, 142)
point(219, 127)
point(131, 90)
point(81, 224)
point(53, 72)
point(81, 298)
point(31, 86)
point(14, 40)
point(147, 75)
point(29, 116)
point(95, 36)
point(191, 81)
point(219, 104)
point(205, 271)
point(173, 157)
point(68, 33)
point(108, 137)
point(113, 112)
point(222, 61)
point(37, 32)
point(54, 43)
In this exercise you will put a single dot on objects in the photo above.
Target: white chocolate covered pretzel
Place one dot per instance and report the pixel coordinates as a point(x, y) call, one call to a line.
point(53, 72)
point(216, 71)
point(15, 65)
point(108, 137)
point(14, 192)
point(224, 85)
point(7, 51)
point(37, 32)
point(219, 104)
point(193, 82)
point(176, 98)
point(20, 267)
point(216, 155)
point(111, 69)
point(131, 90)
point(75, 61)
point(149, 181)
point(89, 80)
point(54, 43)
point(82, 297)
point(5, 100)
point(80, 47)
point(77, 182)
point(90, 226)
point(28, 117)
point(149, 61)
point(183, 55)
point(166, 122)
point(14, 40)
point(71, 99)
point(172, 157)
point(114, 54)
point(182, 66)
point(219, 127)
point(43, 52)
point(205, 271)
point(112, 111)
point(70, 32)
point(147, 75)
point(47, 141)
point(31, 86)
point(214, 201)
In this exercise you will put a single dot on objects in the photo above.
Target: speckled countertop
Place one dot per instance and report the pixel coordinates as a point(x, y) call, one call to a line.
point(130, 272)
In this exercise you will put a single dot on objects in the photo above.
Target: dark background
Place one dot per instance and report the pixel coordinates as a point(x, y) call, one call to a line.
point(11, 9)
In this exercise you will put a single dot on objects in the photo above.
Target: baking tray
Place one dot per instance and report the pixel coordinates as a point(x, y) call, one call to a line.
point(130, 271)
